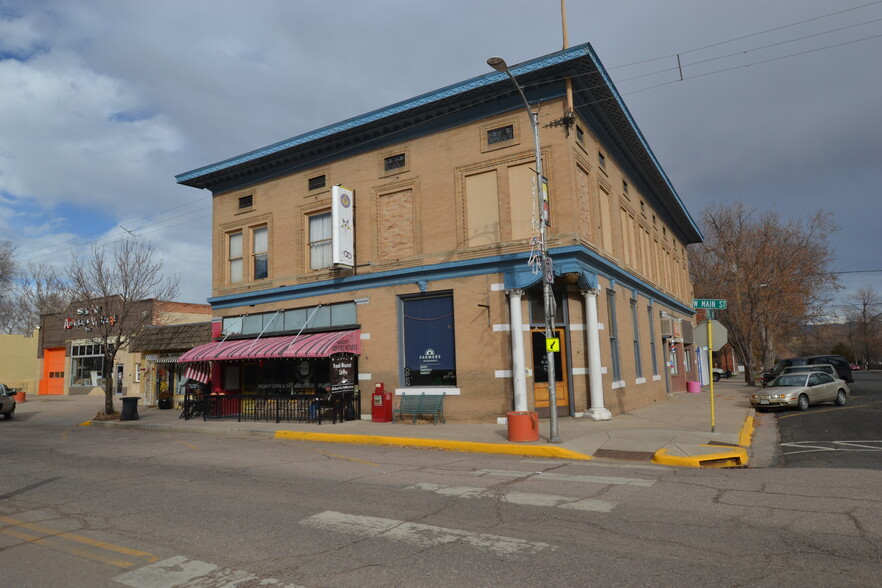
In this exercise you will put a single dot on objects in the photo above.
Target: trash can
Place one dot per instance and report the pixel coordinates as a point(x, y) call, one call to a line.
point(523, 426)
point(693, 387)
point(129, 408)
point(19, 396)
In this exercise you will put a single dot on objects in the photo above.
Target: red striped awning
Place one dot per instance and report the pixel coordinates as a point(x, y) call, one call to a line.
point(309, 345)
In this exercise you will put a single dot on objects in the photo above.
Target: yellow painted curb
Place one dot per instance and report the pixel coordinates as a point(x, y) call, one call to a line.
point(732, 456)
point(464, 446)
point(746, 434)
point(86, 424)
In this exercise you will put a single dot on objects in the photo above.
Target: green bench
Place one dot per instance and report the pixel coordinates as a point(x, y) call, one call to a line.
point(421, 405)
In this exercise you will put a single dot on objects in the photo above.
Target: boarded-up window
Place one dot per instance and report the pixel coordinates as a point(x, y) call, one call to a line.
point(584, 206)
point(522, 200)
point(482, 209)
point(605, 220)
point(396, 235)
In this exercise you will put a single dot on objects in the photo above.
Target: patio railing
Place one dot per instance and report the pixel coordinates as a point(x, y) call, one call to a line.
point(289, 408)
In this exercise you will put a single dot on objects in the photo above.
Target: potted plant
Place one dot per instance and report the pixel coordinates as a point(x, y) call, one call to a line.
point(165, 397)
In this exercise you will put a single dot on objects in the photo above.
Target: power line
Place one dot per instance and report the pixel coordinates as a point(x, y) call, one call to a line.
point(34, 254)
point(741, 38)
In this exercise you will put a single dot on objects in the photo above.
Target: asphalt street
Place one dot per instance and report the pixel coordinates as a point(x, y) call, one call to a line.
point(828, 436)
point(89, 506)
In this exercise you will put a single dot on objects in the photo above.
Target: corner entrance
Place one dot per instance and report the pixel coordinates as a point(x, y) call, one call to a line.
point(540, 375)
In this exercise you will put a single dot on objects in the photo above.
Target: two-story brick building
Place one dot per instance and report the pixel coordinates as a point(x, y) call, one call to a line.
point(405, 239)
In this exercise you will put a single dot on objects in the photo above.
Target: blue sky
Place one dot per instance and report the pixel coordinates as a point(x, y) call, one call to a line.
point(104, 102)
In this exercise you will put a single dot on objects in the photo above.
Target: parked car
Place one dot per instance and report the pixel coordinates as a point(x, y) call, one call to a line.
point(7, 401)
point(837, 361)
point(721, 373)
point(855, 367)
point(799, 390)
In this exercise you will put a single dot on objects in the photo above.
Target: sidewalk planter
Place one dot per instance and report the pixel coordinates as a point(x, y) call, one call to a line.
point(523, 426)
point(693, 387)
point(164, 403)
point(19, 396)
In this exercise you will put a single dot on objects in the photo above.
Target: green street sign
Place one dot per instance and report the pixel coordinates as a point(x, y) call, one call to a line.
point(708, 304)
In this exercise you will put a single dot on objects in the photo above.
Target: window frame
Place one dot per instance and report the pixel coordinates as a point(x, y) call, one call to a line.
point(615, 356)
point(406, 374)
point(256, 255)
point(638, 363)
point(231, 259)
point(325, 241)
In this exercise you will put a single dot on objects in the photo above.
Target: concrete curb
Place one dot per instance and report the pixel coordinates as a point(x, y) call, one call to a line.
point(462, 446)
point(731, 457)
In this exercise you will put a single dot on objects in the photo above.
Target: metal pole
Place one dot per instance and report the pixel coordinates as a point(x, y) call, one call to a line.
point(498, 64)
point(710, 361)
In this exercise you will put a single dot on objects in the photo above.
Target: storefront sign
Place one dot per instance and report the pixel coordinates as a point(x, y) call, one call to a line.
point(88, 323)
point(343, 230)
point(342, 374)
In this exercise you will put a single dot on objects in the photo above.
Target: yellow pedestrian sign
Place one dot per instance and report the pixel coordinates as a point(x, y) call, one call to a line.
point(552, 344)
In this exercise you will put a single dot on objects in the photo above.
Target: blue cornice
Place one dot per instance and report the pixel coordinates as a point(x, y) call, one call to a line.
point(390, 111)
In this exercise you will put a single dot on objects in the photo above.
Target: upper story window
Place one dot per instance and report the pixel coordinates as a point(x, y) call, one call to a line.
point(317, 182)
point(319, 241)
point(394, 162)
point(580, 135)
point(601, 160)
point(500, 135)
point(246, 202)
point(234, 257)
point(625, 186)
point(260, 253)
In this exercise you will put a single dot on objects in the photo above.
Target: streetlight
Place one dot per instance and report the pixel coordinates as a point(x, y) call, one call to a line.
point(499, 65)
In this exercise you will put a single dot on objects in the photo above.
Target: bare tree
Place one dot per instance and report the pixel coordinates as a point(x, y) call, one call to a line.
point(773, 273)
point(120, 292)
point(8, 303)
point(864, 317)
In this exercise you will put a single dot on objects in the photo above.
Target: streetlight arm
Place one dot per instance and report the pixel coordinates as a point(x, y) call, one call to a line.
point(521, 92)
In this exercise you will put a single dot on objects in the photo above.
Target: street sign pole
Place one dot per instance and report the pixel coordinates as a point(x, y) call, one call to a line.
point(710, 363)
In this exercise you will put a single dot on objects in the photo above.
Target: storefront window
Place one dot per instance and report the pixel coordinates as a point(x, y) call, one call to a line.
point(429, 341)
point(321, 317)
point(87, 364)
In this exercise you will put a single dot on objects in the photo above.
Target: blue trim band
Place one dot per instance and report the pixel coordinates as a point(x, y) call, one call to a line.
point(579, 260)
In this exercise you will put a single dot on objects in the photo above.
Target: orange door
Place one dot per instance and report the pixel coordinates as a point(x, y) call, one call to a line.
point(540, 375)
point(53, 371)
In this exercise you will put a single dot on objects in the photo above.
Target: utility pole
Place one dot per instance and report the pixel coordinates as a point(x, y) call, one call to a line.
point(499, 64)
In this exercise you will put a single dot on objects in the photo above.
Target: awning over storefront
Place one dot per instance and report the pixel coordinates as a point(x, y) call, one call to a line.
point(291, 346)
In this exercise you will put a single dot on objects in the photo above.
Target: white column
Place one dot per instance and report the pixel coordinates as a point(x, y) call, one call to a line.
point(597, 411)
point(518, 362)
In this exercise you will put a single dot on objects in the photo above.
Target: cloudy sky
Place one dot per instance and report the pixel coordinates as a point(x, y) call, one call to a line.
point(102, 102)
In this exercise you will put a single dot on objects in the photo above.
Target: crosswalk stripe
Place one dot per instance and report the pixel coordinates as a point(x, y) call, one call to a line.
point(607, 480)
point(179, 571)
point(521, 498)
point(419, 534)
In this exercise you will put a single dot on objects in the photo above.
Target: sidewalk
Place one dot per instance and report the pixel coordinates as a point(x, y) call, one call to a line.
point(675, 431)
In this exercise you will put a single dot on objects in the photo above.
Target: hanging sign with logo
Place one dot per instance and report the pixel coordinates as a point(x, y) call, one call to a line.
point(343, 229)
point(342, 373)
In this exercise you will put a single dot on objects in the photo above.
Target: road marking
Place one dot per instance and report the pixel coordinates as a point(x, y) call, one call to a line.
point(419, 534)
point(178, 571)
point(816, 411)
point(817, 446)
point(184, 443)
point(66, 543)
point(608, 480)
point(522, 498)
point(599, 464)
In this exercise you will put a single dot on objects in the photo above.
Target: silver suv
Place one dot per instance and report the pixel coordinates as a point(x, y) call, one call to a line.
point(7, 402)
